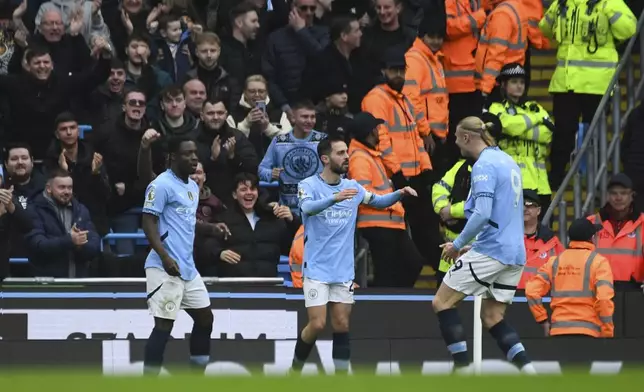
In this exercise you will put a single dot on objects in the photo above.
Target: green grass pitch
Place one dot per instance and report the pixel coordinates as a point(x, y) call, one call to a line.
point(38, 381)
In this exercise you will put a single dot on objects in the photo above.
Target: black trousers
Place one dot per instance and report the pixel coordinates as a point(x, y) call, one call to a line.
point(396, 261)
point(423, 222)
point(567, 108)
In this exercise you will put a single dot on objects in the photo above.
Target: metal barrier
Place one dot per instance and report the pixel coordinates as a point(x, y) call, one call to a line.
point(207, 280)
point(595, 149)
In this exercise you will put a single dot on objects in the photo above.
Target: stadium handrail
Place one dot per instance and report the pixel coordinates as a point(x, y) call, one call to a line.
point(598, 156)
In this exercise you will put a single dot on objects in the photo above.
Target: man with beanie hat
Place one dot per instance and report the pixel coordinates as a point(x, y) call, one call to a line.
point(580, 282)
point(425, 86)
point(403, 152)
point(332, 115)
point(396, 260)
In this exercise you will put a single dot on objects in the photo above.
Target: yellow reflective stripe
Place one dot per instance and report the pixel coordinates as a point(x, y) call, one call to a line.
point(544, 276)
point(296, 267)
point(385, 181)
point(539, 165)
point(535, 301)
point(533, 23)
point(606, 319)
point(364, 182)
point(387, 151)
point(490, 71)
point(575, 324)
point(421, 149)
point(602, 282)
point(381, 218)
point(614, 18)
point(434, 89)
point(623, 251)
point(445, 185)
point(409, 164)
point(532, 270)
point(586, 63)
point(549, 20)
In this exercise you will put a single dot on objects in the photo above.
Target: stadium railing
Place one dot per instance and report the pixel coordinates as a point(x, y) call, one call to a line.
point(207, 280)
point(595, 152)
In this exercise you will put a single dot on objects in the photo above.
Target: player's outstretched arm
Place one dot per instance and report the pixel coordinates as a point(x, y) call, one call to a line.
point(384, 201)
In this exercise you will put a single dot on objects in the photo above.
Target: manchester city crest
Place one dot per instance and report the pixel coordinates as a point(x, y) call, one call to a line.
point(301, 162)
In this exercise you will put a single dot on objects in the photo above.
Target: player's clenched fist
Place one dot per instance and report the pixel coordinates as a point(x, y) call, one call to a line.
point(345, 194)
point(149, 137)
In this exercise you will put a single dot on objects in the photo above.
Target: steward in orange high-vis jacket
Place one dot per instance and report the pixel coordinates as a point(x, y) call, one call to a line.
point(396, 261)
point(541, 243)
point(403, 152)
point(295, 257)
point(580, 282)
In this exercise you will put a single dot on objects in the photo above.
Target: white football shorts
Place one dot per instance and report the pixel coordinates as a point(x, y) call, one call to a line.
point(319, 293)
point(476, 274)
point(169, 294)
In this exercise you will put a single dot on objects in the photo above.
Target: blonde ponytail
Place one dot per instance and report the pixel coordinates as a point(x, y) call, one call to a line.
point(476, 125)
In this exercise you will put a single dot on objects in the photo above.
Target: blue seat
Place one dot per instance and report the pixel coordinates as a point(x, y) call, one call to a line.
point(19, 260)
point(83, 130)
point(283, 269)
point(283, 259)
point(273, 184)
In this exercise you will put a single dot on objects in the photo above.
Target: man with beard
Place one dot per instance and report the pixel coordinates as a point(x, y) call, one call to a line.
point(118, 141)
point(239, 54)
point(403, 152)
point(329, 205)
point(224, 151)
point(63, 240)
point(174, 122)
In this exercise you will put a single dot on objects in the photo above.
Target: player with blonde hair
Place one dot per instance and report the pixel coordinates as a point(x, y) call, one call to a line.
point(493, 266)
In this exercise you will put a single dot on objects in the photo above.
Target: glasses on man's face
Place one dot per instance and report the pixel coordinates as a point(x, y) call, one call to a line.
point(307, 8)
point(136, 102)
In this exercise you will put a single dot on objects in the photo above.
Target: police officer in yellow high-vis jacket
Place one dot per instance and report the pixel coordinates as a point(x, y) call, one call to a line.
point(449, 196)
point(587, 33)
point(526, 131)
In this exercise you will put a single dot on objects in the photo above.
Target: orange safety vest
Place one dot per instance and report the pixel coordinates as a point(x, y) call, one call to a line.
point(425, 86)
point(366, 167)
point(623, 250)
point(398, 140)
point(580, 282)
point(538, 250)
point(534, 10)
point(464, 21)
point(504, 40)
point(295, 257)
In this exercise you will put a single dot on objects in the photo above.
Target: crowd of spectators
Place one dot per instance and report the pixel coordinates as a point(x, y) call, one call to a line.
point(91, 92)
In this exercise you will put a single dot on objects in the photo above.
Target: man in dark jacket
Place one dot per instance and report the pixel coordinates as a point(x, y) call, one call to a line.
point(118, 142)
point(239, 51)
point(13, 221)
point(224, 151)
point(259, 233)
point(36, 97)
point(219, 83)
point(106, 102)
point(289, 49)
point(63, 240)
point(78, 157)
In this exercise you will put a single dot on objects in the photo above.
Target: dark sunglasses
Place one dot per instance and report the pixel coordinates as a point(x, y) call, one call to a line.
point(310, 8)
point(136, 102)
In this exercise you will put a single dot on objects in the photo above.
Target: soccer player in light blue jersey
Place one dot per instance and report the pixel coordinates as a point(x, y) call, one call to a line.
point(329, 208)
point(493, 266)
point(172, 280)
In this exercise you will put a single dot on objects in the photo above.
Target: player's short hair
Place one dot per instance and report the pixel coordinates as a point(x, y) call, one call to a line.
point(57, 173)
point(174, 144)
point(325, 146)
point(243, 178)
point(476, 125)
point(303, 104)
point(63, 118)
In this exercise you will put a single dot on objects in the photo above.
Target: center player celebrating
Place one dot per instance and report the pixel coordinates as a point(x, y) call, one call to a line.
point(493, 266)
point(329, 206)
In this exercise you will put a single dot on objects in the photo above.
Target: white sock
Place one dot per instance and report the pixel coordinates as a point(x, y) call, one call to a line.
point(529, 369)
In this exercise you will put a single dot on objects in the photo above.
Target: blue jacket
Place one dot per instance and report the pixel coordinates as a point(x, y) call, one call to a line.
point(50, 245)
point(178, 66)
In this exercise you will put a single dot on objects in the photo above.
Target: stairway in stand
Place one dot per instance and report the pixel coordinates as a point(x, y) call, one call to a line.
point(543, 66)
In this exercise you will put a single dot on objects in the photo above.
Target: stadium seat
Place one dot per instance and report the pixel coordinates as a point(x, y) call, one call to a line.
point(83, 129)
point(265, 184)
